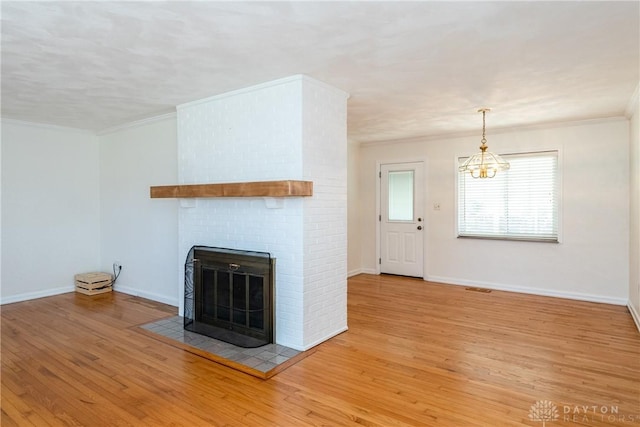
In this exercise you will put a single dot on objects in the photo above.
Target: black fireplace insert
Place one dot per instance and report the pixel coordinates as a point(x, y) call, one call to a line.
point(229, 295)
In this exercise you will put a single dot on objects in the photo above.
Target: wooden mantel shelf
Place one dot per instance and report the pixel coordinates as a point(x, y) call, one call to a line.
point(286, 188)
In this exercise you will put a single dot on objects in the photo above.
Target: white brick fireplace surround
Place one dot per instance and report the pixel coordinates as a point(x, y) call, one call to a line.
point(293, 128)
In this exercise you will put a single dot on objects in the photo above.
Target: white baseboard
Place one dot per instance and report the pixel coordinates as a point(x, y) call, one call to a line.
point(321, 340)
point(634, 314)
point(361, 271)
point(34, 295)
point(315, 343)
point(354, 272)
point(148, 295)
point(63, 290)
point(526, 290)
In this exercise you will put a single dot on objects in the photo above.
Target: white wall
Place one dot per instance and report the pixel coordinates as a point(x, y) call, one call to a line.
point(354, 252)
point(139, 232)
point(1, 224)
point(590, 263)
point(238, 137)
point(50, 209)
point(634, 182)
point(324, 162)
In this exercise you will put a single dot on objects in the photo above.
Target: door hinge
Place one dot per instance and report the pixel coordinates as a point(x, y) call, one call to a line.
point(379, 174)
point(379, 217)
point(379, 260)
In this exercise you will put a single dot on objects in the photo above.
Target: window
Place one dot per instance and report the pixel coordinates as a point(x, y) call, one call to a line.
point(518, 204)
point(401, 195)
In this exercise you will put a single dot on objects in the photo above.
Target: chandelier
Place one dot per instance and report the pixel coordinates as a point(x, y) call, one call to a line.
point(484, 164)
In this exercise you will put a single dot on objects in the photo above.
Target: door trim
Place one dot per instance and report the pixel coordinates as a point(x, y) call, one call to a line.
point(378, 213)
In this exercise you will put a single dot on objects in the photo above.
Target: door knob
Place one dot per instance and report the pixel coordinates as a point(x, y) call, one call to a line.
point(419, 219)
point(419, 227)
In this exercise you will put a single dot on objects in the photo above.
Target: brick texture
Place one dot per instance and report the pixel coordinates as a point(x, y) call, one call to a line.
point(294, 128)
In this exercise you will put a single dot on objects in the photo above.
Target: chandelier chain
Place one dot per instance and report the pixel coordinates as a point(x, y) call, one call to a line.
point(484, 139)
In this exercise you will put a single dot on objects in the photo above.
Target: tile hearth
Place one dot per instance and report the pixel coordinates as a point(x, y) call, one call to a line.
point(262, 362)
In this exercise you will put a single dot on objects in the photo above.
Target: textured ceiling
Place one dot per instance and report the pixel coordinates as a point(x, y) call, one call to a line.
point(412, 68)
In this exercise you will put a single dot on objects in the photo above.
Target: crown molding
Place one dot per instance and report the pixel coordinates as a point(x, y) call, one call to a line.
point(495, 131)
point(46, 126)
point(106, 131)
point(325, 86)
point(261, 86)
point(136, 123)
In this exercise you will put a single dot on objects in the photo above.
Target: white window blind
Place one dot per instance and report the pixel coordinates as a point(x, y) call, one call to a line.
point(520, 203)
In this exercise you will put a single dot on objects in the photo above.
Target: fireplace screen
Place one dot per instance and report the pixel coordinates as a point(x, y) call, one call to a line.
point(229, 295)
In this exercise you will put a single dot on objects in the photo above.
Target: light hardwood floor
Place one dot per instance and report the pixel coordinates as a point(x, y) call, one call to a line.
point(416, 354)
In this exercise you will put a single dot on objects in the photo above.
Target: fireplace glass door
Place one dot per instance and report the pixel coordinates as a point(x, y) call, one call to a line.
point(232, 298)
point(235, 299)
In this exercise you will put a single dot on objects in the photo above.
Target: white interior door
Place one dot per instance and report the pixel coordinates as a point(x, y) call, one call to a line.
point(401, 219)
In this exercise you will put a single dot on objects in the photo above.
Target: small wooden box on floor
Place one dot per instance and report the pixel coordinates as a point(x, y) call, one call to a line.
point(93, 283)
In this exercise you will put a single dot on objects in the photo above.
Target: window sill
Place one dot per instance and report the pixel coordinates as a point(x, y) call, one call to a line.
point(513, 239)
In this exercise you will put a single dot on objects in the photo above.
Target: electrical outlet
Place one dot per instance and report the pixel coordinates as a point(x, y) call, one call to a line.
point(436, 206)
point(117, 266)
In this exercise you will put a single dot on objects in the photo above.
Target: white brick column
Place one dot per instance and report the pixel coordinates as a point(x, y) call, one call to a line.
point(324, 154)
point(293, 128)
